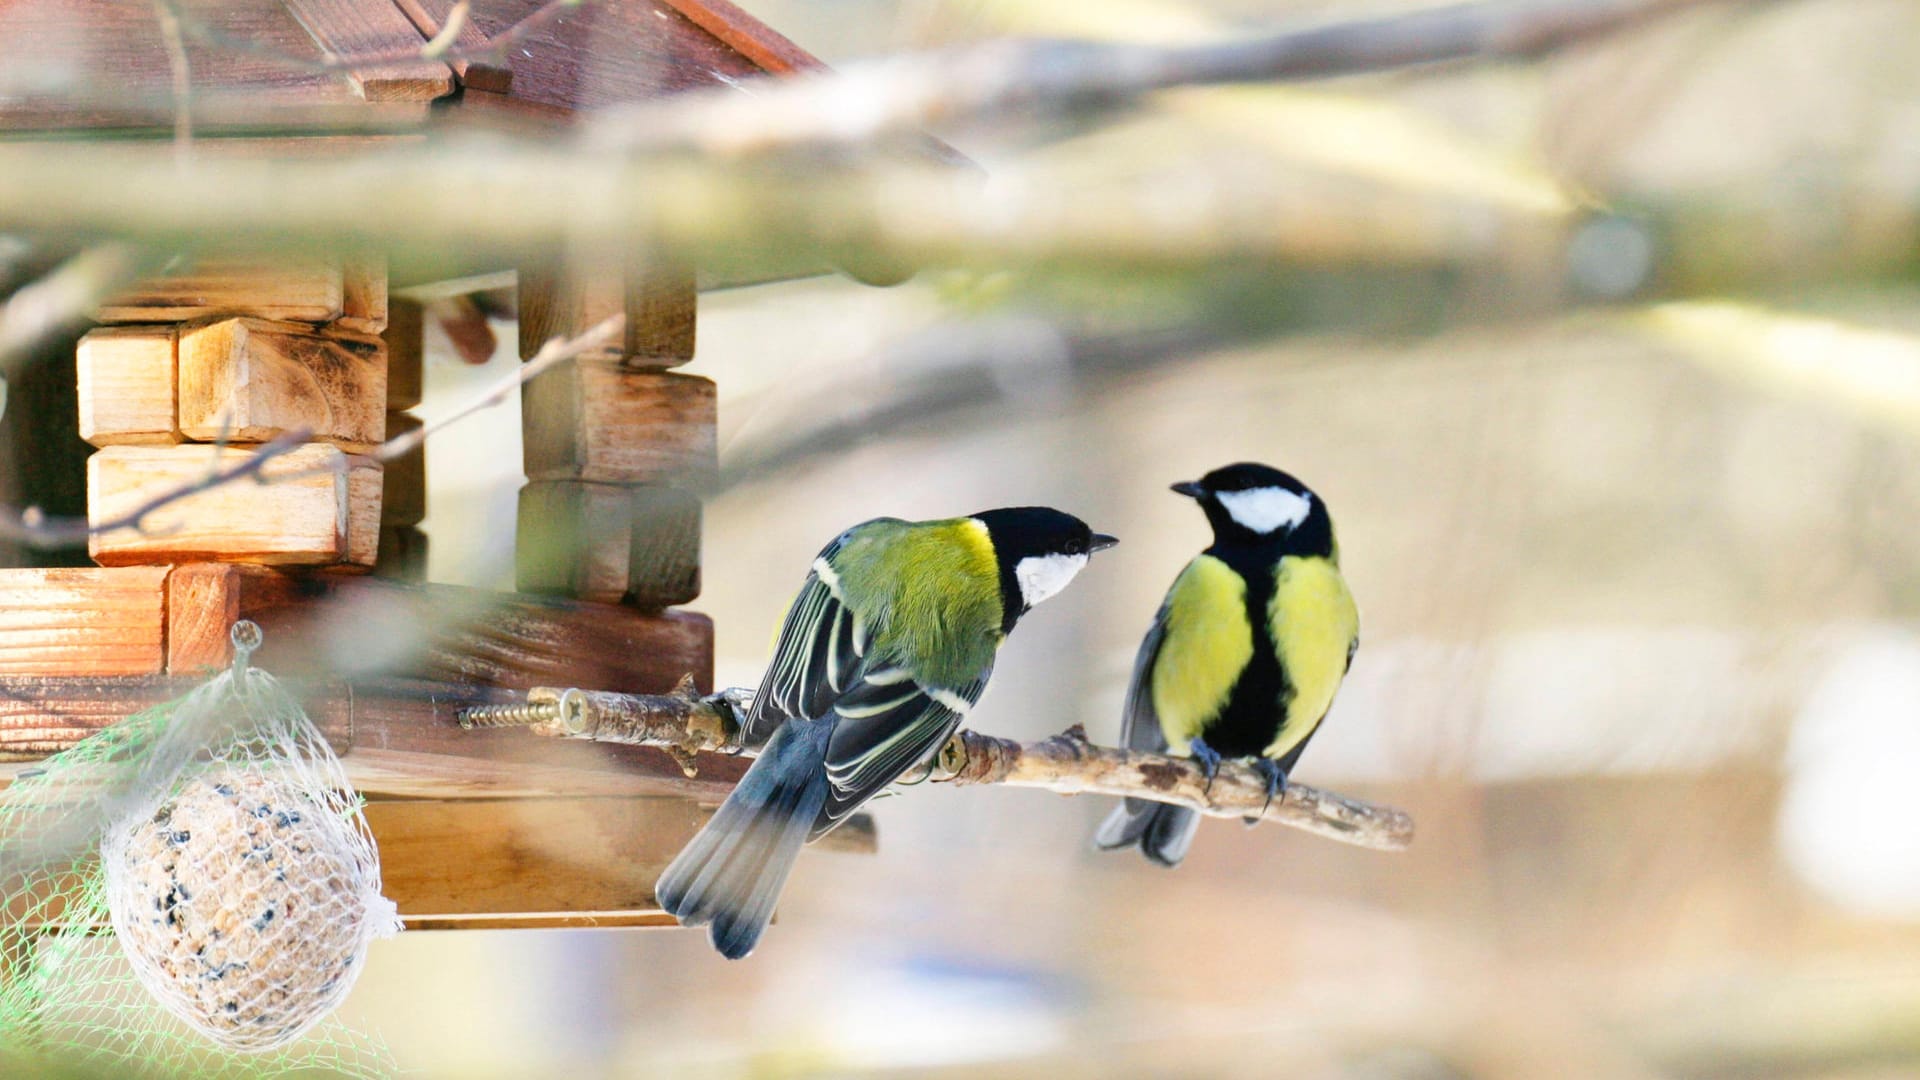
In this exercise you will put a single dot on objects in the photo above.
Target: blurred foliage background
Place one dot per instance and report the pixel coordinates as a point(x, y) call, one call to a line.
point(1638, 586)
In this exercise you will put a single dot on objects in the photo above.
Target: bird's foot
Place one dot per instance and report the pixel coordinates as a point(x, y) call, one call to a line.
point(1207, 758)
point(1276, 778)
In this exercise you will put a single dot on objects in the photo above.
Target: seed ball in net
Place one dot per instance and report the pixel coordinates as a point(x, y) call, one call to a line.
point(242, 906)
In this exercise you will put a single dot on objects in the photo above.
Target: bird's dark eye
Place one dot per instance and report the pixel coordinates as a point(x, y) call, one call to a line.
point(1075, 547)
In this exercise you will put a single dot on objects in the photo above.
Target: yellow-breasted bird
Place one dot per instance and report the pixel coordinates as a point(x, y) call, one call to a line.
point(884, 651)
point(1247, 651)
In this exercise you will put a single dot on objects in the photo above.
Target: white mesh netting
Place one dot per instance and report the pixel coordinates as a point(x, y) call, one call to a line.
point(219, 838)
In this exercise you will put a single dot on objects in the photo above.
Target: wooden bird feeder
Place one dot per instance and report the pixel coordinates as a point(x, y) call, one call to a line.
point(206, 363)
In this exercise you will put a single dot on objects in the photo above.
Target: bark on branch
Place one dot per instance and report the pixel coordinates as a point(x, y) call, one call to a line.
point(684, 723)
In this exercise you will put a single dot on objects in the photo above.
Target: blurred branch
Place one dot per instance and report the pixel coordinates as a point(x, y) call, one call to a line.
point(684, 723)
point(63, 299)
point(863, 102)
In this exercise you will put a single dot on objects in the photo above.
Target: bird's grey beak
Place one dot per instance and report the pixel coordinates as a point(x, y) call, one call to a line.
point(1190, 489)
point(1101, 542)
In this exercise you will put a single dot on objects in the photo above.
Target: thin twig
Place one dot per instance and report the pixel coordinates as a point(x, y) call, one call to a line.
point(555, 352)
point(863, 102)
point(683, 723)
point(437, 46)
point(182, 72)
point(33, 528)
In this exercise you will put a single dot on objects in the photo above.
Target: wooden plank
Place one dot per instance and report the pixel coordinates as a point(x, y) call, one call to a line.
point(291, 289)
point(662, 302)
point(404, 500)
point(595, 55)
point(327, 624)
point(366, 482)
point(299, 517)
point(363, 293)
point(251, 380)
point(766, 47)
point(231, 87)
point(595, 420)
point(490, 74)
point(406, 322)
point(574, 539)
point(350, 28)
point(396, 736)
point(403, 553)
point(663, 559)
point(203, 603)
point(128, 388)
point(511, 858)
point(659, 302)
point(83, 621)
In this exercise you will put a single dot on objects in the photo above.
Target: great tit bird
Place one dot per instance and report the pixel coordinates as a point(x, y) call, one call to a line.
point(884, 651)
point(1246, 652)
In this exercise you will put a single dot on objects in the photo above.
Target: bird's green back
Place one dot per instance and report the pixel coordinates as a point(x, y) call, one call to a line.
point(929, 591)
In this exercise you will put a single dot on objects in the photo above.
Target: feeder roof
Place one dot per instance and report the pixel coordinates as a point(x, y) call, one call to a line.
point(86, 66)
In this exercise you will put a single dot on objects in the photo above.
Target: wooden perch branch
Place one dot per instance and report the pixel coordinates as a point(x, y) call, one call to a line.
point(684, 723)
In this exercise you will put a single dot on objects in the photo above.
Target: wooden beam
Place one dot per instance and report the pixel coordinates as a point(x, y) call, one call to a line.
point(659, 301)
point(128, 387)
point(310, 290)
point(91, 622)
point(403, 553)
point(252, 380)
point(363, 293)
point(301, 518)
point(396, 736)
point(748, 36)
point(406, 321)
point(598, 421)
point(347, 28)
point(608, 542)
point(404, 499)
point(321, 624)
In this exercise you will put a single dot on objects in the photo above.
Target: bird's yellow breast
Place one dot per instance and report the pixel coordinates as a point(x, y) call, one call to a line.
point(1207, 645)
point(1314, 624)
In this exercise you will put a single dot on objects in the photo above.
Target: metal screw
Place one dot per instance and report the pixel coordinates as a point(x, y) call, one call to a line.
point(493, 716)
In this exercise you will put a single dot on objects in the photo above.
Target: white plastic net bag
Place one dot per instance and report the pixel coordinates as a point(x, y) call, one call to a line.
point(246, 891)
point(218, 837)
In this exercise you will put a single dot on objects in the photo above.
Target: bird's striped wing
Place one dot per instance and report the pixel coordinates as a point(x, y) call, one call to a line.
point(1139, 723)
point(819, 656)
point(884, 726)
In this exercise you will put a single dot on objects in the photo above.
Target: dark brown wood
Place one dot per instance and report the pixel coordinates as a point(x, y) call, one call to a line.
point(125, 77)
point(373, 27)
point(405, 324)
point(489, 74)
point(599, 421)
point(323, 624)
point(596, 55)
point(662, 303)
point(403, 500)
point(402, 555)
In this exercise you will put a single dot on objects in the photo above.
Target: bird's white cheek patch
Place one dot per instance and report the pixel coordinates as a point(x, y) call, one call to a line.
point(1266, 509)
point(1040, 576)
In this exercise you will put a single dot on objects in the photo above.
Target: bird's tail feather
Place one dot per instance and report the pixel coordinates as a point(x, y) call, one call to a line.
point(729, 875)
point(1163, 833)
